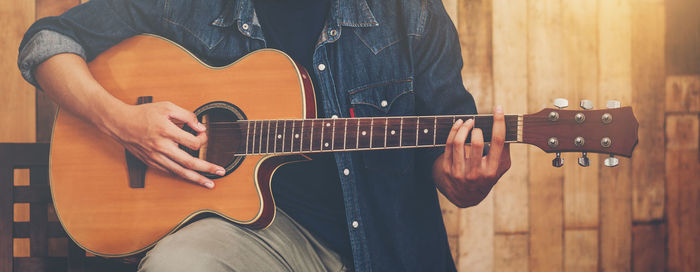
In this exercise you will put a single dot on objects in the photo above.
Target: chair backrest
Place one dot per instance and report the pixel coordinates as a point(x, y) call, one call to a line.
point(36, 242)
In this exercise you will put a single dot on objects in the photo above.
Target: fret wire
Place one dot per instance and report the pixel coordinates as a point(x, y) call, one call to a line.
point(321, 141)
point(386, 127)
point(311, 141)
point(434, 131)
point(254, 128)
point(291, 147)
point(345, 135)
point(284, 134)
point(301, 137)
point(333, 135)
point(277, 124)
point(401, 132)
point(267, 141)
point(261, 129)
point(417, 129)
point(247, 137)
point(357, 138)
point(371, 129)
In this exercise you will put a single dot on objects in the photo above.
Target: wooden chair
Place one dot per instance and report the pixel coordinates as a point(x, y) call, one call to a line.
point(36, 242)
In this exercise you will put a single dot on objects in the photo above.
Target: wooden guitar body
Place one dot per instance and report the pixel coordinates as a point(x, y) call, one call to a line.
point(88, 169)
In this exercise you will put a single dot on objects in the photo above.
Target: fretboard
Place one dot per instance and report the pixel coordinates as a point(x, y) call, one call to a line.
point(351, 134)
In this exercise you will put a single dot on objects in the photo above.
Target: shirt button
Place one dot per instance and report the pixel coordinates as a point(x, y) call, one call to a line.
point(321, 67)
point(355, 224)
point(333, 32)
point(346, 172)
point(245, 26)
point(384, 103)
point(334, 116)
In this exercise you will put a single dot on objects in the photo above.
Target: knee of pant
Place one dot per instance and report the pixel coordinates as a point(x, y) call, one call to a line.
point(176, 257)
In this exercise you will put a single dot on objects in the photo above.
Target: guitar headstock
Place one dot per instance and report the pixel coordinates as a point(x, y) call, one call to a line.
point(610, 131)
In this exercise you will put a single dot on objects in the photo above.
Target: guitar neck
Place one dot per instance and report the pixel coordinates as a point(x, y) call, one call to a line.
point(352, 134)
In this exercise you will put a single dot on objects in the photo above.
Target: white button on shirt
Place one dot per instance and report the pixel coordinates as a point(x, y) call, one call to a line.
point(346, 172)
point(355, 224)
point(321, 67)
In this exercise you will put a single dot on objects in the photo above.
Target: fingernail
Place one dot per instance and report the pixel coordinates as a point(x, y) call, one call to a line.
point(209, 185)
point(201, 127)
point(499, 109)
point(220, 172)
point(457, 123)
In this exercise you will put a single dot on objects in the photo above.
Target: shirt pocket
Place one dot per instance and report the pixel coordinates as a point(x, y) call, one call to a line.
point(386, 98)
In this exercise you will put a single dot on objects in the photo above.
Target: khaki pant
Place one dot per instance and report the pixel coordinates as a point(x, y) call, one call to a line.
point(214, 244)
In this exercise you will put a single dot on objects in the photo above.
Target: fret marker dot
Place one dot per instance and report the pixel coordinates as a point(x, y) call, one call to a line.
point(326, 144)
point(279, 136)
point(393, 132)
point(328, 124)
point(296, 136)
point(425, 131)
point(364, 133)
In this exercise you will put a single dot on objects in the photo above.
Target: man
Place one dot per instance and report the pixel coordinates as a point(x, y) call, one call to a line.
point(371, 210)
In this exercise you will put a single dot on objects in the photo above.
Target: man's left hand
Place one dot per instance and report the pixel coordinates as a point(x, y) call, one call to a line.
point(462, 174)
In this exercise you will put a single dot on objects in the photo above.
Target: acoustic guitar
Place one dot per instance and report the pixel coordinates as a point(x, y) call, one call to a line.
point(260, 114)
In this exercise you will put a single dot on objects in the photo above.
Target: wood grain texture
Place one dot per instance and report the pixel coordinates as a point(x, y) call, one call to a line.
point(510, 91)
point(476, 237)
point(580, 82)
point(683, 37)
point(545, 82)
point(511, 252)
point(17, 96)
point(683, 93)
point(614, 43)
point(581, 250)
point(648, 248)
point(648, 82)
point(475, 38)
point(682, 165)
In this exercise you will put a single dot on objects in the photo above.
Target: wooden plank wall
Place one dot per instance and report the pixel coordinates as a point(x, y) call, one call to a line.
point(641, 216)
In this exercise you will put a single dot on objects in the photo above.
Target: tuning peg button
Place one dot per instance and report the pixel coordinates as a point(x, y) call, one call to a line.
point(611, 161)
point(583, 160)
point(561, 103)
point(613, 104)
point(586, 104)
point(558, 161)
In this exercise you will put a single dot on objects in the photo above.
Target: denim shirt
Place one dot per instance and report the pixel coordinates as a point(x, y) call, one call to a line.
point(376, 57)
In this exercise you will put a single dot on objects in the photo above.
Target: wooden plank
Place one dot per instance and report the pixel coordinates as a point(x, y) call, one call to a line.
point(21, 212)
point(545, 82)
point(683, 93)
point(581, 250)
point(475, 38)
point(683, 37)
point(648, 243)
point(648, 80)
point(581, 82)
point(682, 163)
point(17, 114)
point(510, 91)
point(614, 38)
point(45, 107)
point(450, 212)
point(510, 252)
point(20, 247)
point(450, 216)
point(476, 237)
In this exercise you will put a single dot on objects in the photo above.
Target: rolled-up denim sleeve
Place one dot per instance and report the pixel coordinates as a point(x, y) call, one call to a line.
point(87, 30)
point(43, 45)
point(438, 81)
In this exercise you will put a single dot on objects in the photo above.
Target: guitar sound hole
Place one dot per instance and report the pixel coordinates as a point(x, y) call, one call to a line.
point(224, 134)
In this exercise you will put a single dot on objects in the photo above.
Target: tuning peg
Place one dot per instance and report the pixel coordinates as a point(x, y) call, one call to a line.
point(583, 160)
point(613, 104)
point(561, 103)
point(611, 161)
point(558, 161)
point(586, 104)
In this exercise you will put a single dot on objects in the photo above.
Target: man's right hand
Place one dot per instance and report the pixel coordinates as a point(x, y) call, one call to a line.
point(149, 131)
